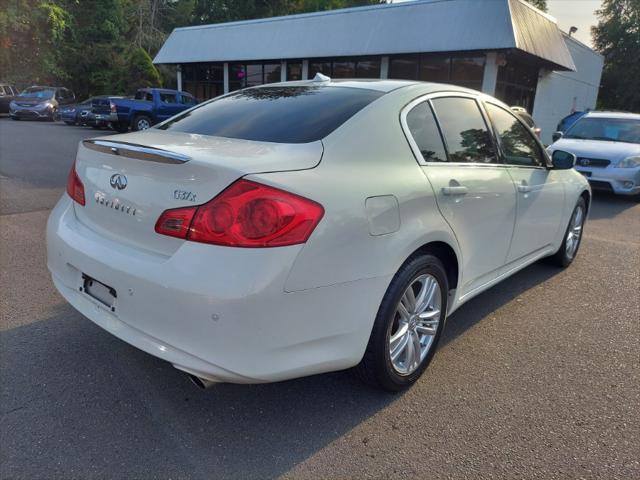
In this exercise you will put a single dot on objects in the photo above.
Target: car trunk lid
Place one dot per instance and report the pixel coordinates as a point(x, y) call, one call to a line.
point(129, 180)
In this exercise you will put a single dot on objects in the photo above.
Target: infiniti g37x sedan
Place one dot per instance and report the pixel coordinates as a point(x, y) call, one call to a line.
point(306, 227)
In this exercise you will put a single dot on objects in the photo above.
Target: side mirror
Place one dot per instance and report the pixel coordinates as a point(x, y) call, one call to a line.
point(563, 160)
point(555, 136)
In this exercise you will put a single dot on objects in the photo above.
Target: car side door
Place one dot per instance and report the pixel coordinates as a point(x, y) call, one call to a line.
point(474, 193)
point(168, 106)
point(540, 191)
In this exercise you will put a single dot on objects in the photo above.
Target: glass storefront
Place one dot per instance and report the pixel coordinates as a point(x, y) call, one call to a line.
point(243, 75)
point(361, 67)
point(516, 81)
point(463, 70)
point(203, 80)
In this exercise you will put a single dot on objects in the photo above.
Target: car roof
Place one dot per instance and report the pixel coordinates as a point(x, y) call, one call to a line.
point(612, 114)
point(384, 86)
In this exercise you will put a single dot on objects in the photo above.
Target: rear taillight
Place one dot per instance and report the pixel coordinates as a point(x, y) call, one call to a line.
point(112, 107)
point(75, 188)
point(246, 214)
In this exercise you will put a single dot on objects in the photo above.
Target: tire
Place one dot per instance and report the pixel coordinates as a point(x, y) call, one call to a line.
point(120, 127)
point(141, 122)
point(377, 367)
point(565, 255)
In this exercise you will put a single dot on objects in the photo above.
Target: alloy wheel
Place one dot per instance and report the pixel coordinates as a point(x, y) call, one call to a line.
point(415, 324)
point(575, 231)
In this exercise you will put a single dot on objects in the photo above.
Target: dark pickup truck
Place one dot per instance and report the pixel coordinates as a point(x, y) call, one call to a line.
point(148, 107)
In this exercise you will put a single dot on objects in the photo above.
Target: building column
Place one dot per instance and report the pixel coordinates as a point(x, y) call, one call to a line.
point(384, 67)
point(283, 70)
point(179, 77)
point(490, 76)
point(225, 77)
point(305, 69)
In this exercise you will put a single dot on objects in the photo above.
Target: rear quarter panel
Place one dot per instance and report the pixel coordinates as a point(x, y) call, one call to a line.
point(366, 157)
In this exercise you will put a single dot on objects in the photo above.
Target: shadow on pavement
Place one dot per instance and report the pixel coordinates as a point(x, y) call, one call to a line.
point(77, 402)
point(609, 205)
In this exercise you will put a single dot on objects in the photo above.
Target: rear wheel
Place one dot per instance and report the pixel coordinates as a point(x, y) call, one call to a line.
point(408, 325)
point(572, 236)
point(141, 122)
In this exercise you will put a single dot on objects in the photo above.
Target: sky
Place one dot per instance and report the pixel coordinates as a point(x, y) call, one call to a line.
point(579, 13)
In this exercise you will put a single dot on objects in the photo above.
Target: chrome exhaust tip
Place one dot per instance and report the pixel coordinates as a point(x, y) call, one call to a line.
point(200, 382)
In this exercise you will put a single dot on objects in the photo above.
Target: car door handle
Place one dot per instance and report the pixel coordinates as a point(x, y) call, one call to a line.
point(455, 190)
point(523, 187)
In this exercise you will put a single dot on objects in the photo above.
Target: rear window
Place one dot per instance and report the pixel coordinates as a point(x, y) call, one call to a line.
point(275, 114)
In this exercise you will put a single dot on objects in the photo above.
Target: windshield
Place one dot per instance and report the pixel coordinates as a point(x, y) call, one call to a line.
point(607, 129)
point(275, 114)
point(38, 92)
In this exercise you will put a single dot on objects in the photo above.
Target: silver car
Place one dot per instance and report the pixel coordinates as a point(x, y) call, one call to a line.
point(607, 147)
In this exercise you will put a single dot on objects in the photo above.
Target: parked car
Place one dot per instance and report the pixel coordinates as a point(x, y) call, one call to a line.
point(607, 147)
point(306, 227)
point(99, 120)
point(7, 93)
point(40, 102)
point(522, 113)
point(569, 120)
point(76, 113)
point(148, 107)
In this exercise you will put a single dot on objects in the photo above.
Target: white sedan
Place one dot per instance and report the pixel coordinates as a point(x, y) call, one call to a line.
point(306, 227)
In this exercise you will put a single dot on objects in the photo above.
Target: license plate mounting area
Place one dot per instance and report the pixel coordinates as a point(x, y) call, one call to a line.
point(104, 294)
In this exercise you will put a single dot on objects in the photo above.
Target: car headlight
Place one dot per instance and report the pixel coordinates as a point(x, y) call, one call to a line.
point(630, 162)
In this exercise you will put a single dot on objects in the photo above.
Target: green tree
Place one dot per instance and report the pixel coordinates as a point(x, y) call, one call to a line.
point(141, 71)
point(540, 4)
point(617, 37)
point(31, 34)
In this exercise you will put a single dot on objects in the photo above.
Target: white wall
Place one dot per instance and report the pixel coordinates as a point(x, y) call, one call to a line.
point(560, 93)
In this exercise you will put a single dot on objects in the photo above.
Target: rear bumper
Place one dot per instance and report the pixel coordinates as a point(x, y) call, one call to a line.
point(216, 312)
point(622, 181)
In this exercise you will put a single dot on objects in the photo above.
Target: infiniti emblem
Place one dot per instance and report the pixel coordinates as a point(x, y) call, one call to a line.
point(118, 181)
point(585, 161)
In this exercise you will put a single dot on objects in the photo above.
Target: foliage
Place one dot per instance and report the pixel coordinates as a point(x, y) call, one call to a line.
point(617, 37)
point(141, 71)
point(106, 46)
point(539, 4)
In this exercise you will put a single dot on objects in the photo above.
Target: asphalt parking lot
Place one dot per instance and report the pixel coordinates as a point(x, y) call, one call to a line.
point(538, 377)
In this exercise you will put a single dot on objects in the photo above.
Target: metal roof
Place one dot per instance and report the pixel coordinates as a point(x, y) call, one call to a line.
point(408, 27)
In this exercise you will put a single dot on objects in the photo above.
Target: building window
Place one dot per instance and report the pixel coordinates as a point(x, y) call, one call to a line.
point(368, 68)
point(365, 67)
point(243, 75)
point(294, 71)
point(435, 68)
point(516, 83)
point(404, 67)
point(203, 81)
point(344, 69)
point(466, 71)
point(323, 67)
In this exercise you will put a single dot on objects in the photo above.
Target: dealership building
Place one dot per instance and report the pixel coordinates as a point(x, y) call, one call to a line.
point(505, 48)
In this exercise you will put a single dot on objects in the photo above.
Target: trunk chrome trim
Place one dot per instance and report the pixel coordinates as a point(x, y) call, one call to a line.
point(133, 150)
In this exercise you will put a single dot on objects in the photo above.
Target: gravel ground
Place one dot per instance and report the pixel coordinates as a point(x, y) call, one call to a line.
point(538, 377)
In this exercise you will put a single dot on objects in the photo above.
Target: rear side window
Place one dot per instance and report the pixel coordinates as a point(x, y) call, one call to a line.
point(464, 130)
point(516, 140)
point(425, 133)
point(187, 100)
point(275, 114)
point(167, 97)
